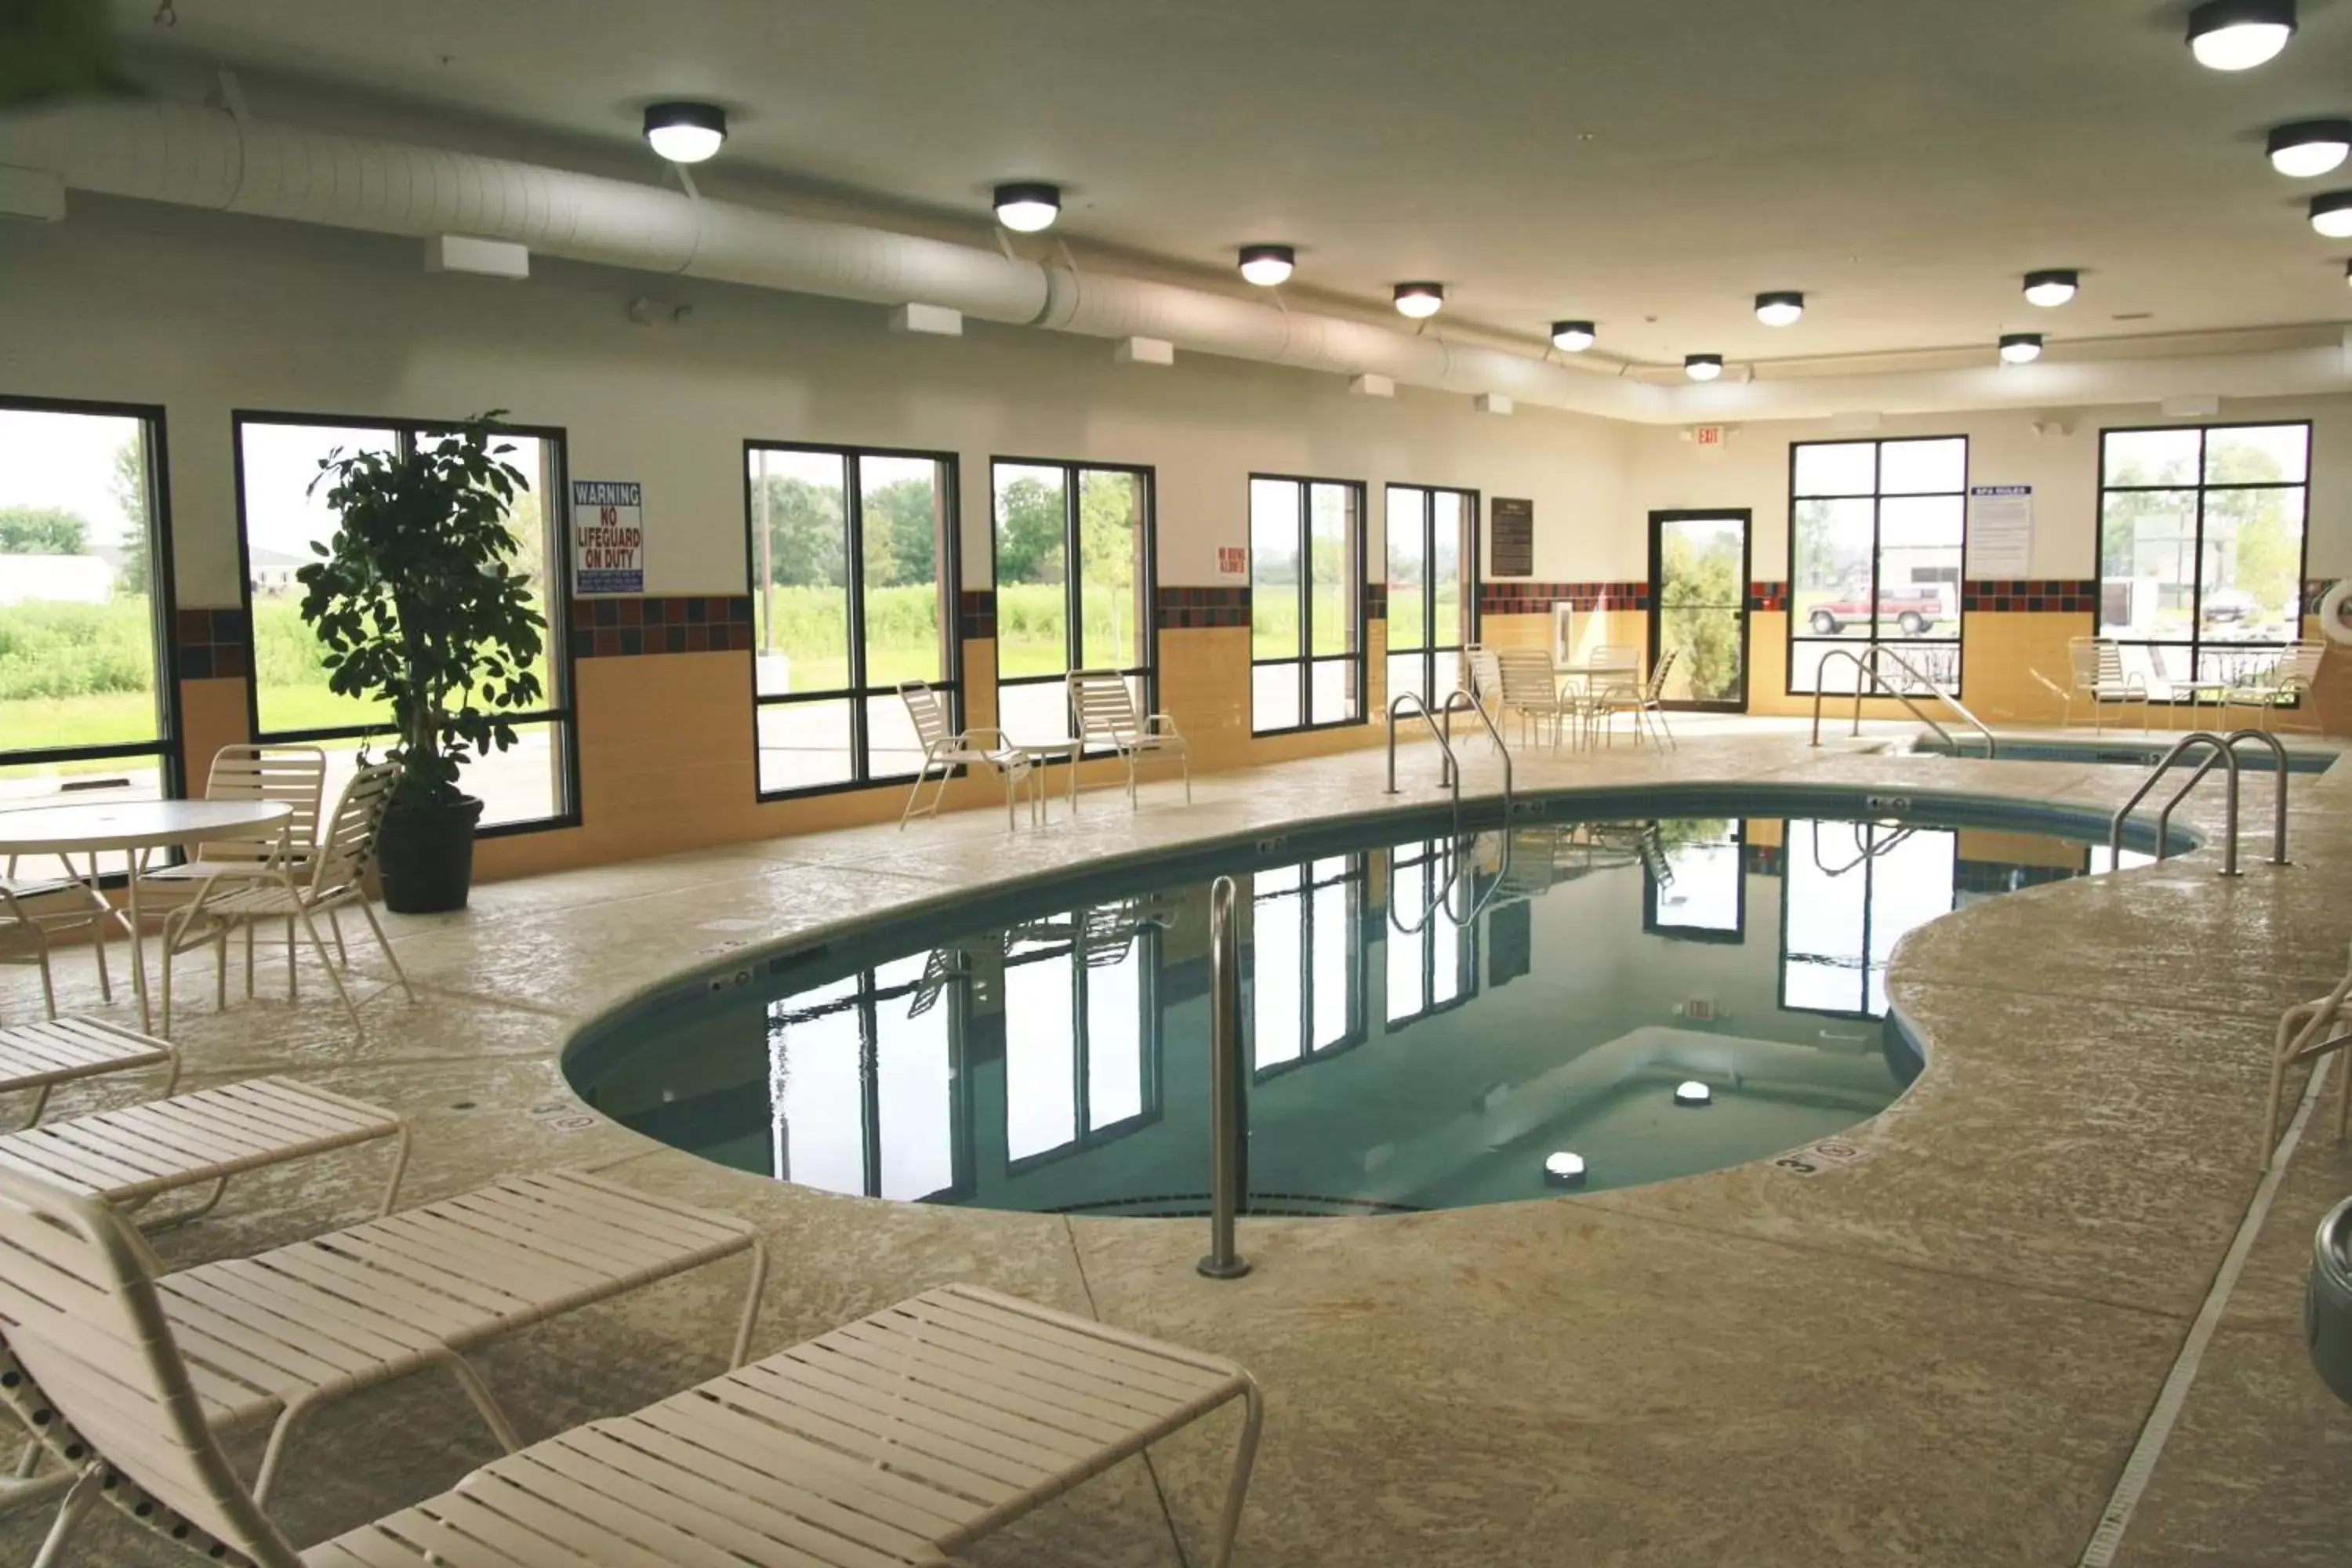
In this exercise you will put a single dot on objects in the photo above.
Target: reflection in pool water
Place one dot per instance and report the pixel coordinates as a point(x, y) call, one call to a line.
point(1427, 1024)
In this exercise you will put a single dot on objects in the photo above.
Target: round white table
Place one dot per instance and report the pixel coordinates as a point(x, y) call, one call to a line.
point(134, 829)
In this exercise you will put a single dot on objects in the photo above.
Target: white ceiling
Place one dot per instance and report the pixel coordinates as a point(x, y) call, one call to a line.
point(1651, 164)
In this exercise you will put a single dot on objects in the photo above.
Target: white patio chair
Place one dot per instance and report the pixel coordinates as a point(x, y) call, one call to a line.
point(1102, 708)
point(293, 775)
point(36, 1057)
point(1530, 687)
point(135, 1154)
point(2099, 679)
point(2285, 681)
point(947, 750)
point(1645, 703)
point(269, 1340)
point(33, 910)
point(900, 1439)
point(333, 879)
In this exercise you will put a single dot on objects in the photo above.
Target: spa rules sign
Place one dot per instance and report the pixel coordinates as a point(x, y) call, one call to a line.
point(608, 537)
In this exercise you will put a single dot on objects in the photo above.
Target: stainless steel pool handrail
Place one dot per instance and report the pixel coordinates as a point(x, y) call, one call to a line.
point(1868, 680)
point(1860, 676)
point(2278, 799)
point(1228, 1173)
point(2223, 754)
point(1880, 652)
point(1450, 774)
point(1456, 850)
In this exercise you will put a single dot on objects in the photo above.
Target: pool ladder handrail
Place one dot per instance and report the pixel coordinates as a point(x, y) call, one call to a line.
point(1463, 865)
point(2224, 753)
point(1868, 677)
point(1450, 774)
point(1228, 1116)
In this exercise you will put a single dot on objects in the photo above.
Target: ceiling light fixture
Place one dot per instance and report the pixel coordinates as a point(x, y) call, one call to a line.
point(1692, 1092)
point(2020, 347)
point(1026, 206)
point(2052, 287)
point(1267, 265)
point(686, 132)
point(1572, 337)
point(1782, 308)
point(1420, 300)
point(1702, 367)
point(2331, 215)
point(2309, 148)
point(2239, 35)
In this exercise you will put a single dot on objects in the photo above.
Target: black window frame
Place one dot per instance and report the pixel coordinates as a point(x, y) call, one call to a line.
point(1305, 658)
point(562, 712)
point(1735, 937)
point(1354, 874)
point(163, 601)
point(1073, 599)
point(1868, 865)
point(1431, 853)
point(1148, 1025)
point(1431, 648)
point(1877, 497)
point(2197, 642)
point(857, 694)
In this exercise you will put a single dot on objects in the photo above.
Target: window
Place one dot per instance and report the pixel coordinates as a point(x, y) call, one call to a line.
point(1073, 544)
point(1078, 1005)
point(87, 698)
point(863, 1086)
point(1305, 948)
point(280, 517)
point(1433, 543)
point(2202, 548)
point(1432, 962)
point(1695, 886)
point(853, 560)
point(1306, 603)
point(1851, 891)
point(1877, 534)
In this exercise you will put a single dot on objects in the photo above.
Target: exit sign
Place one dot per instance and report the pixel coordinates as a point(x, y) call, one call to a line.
point(1706, 434)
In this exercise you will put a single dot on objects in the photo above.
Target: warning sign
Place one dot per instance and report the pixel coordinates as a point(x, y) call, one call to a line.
point(608, 537)
point(1233, 562)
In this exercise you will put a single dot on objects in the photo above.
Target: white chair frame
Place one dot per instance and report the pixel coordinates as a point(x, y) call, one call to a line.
point(1102, 711)
point(946, 750)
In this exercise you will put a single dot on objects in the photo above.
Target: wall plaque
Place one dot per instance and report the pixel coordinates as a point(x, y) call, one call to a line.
point(1511, 541)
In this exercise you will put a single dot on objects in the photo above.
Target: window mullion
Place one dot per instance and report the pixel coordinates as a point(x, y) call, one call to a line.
point(853, 513)
point(1073, 596)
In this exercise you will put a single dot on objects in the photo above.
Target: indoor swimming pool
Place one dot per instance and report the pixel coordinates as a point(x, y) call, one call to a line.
point(1429, 1020)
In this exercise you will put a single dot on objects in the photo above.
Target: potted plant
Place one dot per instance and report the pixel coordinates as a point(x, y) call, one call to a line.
point(420, 607)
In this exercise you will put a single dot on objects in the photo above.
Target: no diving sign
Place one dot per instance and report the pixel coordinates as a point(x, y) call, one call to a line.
point(608, 537)
point(1814, 1158)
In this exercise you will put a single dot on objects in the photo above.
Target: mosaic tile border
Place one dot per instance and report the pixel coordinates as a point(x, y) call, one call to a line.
point(976, 614)
point(1537, 598)
point(1188, 609)
point(1376, 601)
point(2031, 596)
point(209, 645)
point(1768, 596)
point(655, 623)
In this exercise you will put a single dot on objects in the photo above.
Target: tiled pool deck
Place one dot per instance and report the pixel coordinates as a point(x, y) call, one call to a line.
point(1941, 1354)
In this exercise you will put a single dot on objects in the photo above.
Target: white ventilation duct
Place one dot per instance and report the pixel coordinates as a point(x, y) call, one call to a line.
point(208, 158)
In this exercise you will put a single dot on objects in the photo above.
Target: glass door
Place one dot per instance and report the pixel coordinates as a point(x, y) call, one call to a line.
point(1699, 597)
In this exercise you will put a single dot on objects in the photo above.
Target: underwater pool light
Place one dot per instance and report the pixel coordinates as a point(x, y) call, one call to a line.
point(1564, 1170)
point(1690, 1091)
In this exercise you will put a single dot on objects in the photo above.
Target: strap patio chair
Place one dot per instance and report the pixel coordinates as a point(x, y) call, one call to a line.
point(1645, 703)
point(334, 877)
point(269, 1340)
point(135, 1154)
point(1530, 687)
point(2099, 679)
point(34, 909)
point(36, 1057)
point(896, 1439)
point(2283, 682)
point(294, 775)
point(946, 750)
point(1102, 706)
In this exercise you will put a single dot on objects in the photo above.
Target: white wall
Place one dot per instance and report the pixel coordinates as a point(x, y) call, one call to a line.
point(1751, 470)
point(208, 313)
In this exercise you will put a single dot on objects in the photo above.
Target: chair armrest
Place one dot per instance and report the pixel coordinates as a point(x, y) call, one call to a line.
point(1161, 724)
point(983, 730)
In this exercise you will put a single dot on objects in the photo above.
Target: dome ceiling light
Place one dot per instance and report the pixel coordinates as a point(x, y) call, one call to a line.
point(2239, 35)
point(1026, 206)
point(2020, 347)
point(2052, 287)
point(1420, 300)
point(2331, 215)
point(1702, 367)
point(2310, 148)
point(1267, 265)
point(1782, 308)
point(1572, 337)
point(686, 132)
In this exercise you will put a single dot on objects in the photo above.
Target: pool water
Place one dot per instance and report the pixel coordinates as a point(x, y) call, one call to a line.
point(1428, 1020)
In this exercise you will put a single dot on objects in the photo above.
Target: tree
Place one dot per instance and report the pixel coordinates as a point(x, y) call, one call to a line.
point(129, 484)
point(42, 530)
point(1697, 588)
point(902, 533)
point(806, 536)
point(1029, 533)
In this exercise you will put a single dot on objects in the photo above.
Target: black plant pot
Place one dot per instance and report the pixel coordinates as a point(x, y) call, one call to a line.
point(426, 856)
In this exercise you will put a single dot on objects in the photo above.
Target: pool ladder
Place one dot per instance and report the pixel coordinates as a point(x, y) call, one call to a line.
point(1459, 863)
point(1869, 677)
point(2224, 755)
point(1228, 1113)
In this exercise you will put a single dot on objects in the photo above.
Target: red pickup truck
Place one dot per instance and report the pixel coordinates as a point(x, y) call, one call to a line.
point(1914, 610)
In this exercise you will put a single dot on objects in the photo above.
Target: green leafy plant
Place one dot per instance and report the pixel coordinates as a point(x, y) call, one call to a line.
point(418, 602)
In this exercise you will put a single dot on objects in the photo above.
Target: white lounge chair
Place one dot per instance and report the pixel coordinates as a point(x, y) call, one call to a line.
point(333, 879)
point(294, 776)
point(896, 1439)
point(139, 1153)
point(1103, 708)
point(36, 1057)
point(269, 1340)
point(946, 750)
